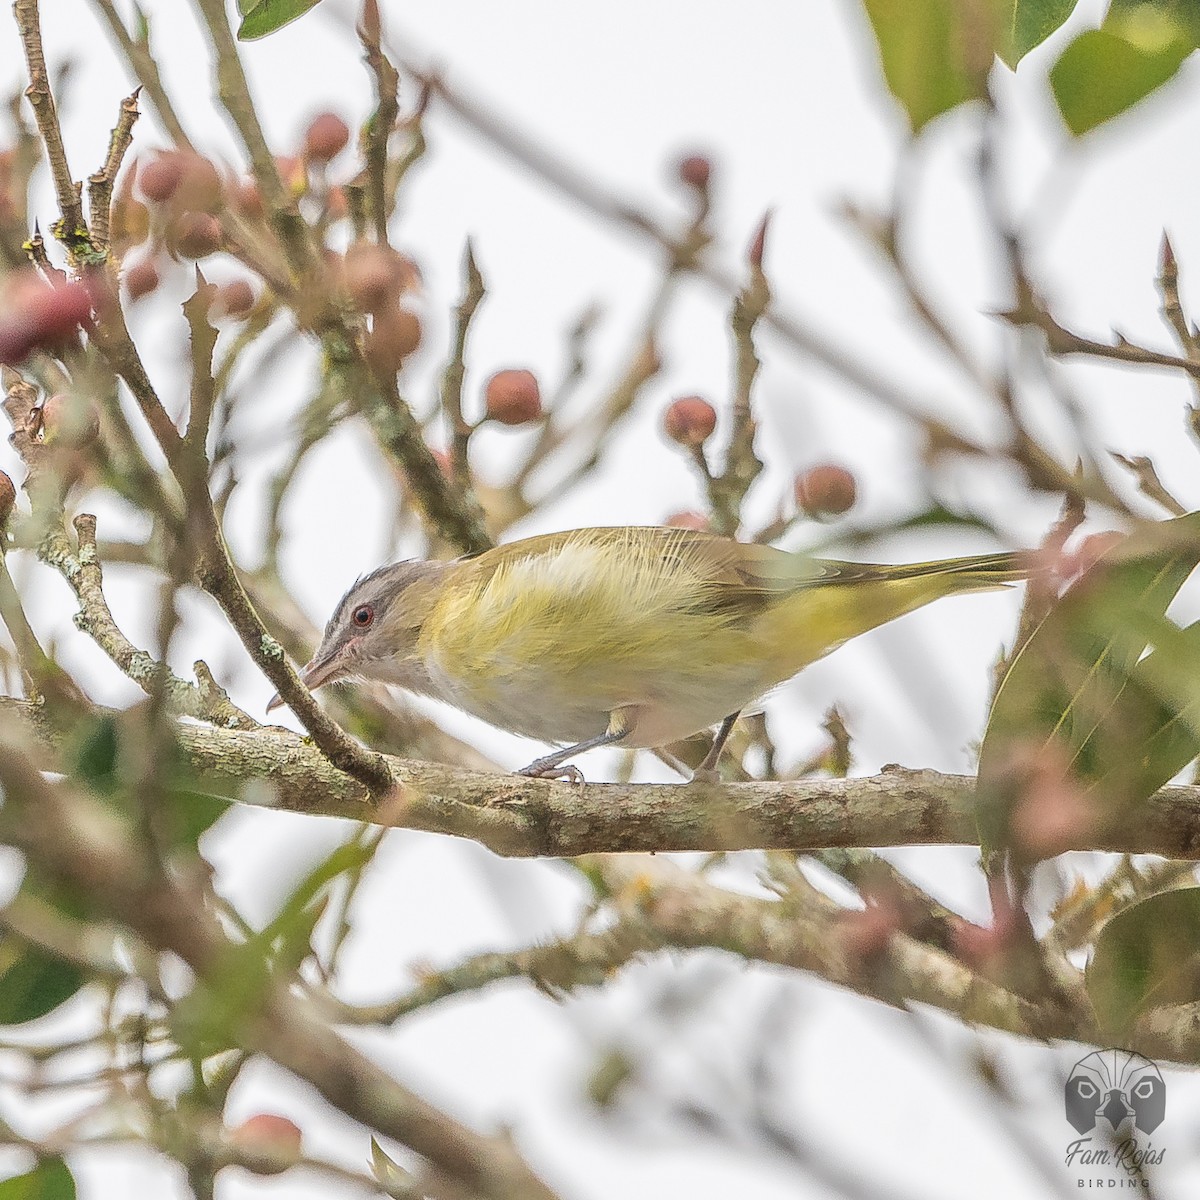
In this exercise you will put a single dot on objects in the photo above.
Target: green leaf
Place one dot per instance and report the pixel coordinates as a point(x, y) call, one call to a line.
point(195, 814)
point(1128, 14)
point(260, 17)
point(51, 1179)
point(1105, 72)
point(1028, 23)
point(935, 53)
point(1106, 684)
point(1146, 956)
point(94, 758)
point(32, 982)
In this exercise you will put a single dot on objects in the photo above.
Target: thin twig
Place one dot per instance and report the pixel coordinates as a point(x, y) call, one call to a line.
point(452, 379)
point(71, 230)
point(83, 572)
point(44, 675)
point(398, 432)
point(742, 466)
point(234, 91)
point(1149, 484)
point(145, 69)
point(100, 184)
point(501, 132)
point(379, 129)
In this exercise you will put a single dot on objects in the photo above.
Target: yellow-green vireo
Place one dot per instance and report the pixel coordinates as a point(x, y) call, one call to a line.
point(631, 636)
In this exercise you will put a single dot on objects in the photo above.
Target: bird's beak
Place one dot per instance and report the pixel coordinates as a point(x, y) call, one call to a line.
point(320, 669)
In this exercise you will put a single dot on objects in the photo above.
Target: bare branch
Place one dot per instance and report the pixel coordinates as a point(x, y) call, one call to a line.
point(234, 91)
point(71, 230)
point(521, 817)
point(383, 121)
point(452, 379)
point(141, 62)
point(100, 184)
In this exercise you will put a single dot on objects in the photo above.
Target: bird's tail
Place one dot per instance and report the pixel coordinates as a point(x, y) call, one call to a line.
point(978, 571)
point(852, 598)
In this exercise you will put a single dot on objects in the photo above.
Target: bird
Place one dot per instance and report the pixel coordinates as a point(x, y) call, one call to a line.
point(631, 636)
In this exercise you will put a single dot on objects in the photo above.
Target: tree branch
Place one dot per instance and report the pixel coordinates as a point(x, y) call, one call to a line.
point(521, 817)
point(72, 231)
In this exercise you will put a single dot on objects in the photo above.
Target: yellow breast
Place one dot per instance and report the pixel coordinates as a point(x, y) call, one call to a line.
point(550, 642)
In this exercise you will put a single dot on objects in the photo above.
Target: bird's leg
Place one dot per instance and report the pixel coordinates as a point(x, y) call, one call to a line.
point(555, 766)
point(706, 772)
point(676, 764)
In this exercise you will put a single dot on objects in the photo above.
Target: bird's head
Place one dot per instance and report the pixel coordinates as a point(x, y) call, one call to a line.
point(374, 629)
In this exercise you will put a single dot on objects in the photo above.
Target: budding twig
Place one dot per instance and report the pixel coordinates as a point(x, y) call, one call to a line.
point(145, 69)
point(379, 130)
point(100, 184)
point(742, 465)
point(234, 91)
point(203, 701)
point(1149, 483)
point(71, 230)
point(452, 379)
point(584, 440)
point(398, 432)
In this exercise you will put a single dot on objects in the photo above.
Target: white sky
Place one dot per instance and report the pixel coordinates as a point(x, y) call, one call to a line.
point(787, 100)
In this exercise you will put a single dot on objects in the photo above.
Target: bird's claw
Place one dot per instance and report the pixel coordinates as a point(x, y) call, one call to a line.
point(542, 768)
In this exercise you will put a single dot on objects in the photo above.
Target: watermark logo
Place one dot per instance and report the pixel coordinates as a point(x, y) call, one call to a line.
point(1111, 1097)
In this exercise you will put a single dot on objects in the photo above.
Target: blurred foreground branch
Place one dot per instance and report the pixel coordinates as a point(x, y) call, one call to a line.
point(78, 843)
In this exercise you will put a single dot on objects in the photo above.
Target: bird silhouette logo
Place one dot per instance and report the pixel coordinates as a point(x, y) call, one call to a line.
point(1115, 1086)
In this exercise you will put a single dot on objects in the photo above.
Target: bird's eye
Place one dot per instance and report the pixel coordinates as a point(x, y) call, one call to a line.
point(364, 614)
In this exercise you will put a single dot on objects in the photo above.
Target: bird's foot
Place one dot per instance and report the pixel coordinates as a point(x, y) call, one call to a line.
point(704, 774)
point(550, 768)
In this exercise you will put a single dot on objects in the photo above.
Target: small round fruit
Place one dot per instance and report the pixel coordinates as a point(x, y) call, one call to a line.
point(373, 276)
point(513, 397)
point(395, 334)
point(161, 176)
point(826, 491)
point(141, 278)
point(688, 519)
point(130, 222)
point(195, 235)
point(247, 199)
point(234, 299)
point(696, 171)
point(292, 173)
point(201, 186)
point(272, 1136)
point(326, 137)
point(38, 314)
point(1089, 552)
point(690, 421)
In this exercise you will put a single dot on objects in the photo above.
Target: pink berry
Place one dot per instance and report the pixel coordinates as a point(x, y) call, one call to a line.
point(326, 137)
point(513, 397)
point(696, 171)
point(690, 421)
point(826, 491)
